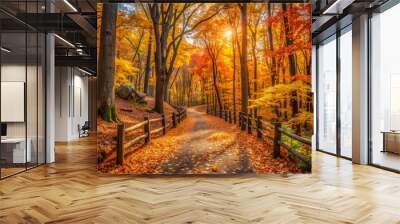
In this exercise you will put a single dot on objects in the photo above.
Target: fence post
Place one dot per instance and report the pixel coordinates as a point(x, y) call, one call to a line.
point(220, 113)
point(120, 143)
point(179, 117)
point(277, 139)
point(163, 123)
point(146, 129)
point(259, 127)
point(230, 117)
point(173, 119)
point(234, 117)
point(249, 124)
point(226, 115)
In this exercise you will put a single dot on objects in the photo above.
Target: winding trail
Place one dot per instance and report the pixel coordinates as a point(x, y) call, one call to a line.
point(201, 153)
point(205, 144)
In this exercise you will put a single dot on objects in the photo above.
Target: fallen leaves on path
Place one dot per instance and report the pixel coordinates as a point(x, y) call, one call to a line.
point(204, 144)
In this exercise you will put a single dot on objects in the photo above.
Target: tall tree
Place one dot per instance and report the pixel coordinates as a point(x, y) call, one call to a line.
point(292, 59)
point(253, 27)
point(244, 73)
point(168, 36)
point(214, 48)
point(274, 75)
point(106, 64)
point(233, 23)
point(148, 65)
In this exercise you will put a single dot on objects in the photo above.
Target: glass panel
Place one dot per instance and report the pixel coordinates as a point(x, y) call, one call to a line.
point(327, 96)
point(13, 85)
point(346, 94)
point(41, 99)
point(385, 84)
point(31, 98)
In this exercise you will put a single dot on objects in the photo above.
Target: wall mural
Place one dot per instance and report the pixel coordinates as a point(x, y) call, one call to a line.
point(204, 88)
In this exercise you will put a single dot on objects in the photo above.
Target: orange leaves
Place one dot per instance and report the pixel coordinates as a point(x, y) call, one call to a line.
point(202, 144)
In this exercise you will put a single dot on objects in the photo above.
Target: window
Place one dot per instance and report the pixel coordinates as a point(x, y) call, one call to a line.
point(385, 89)
point(346, 92)
point(327, 95)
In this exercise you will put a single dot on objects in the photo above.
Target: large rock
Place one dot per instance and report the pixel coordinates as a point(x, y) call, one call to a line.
point(126, 92)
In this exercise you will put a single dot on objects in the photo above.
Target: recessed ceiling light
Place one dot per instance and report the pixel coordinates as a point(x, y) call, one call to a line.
point(65, 41)
point(84, 71)
point(70, 5)
point(337, 7)
point(5, 50)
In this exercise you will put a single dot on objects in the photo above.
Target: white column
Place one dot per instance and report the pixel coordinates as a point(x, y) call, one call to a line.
point(50, 100)
point(360, 90)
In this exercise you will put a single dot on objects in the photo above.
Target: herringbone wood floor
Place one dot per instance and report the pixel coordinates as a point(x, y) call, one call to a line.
point(72, 191)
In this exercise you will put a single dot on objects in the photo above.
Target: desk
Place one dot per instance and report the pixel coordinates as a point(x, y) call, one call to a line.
point(391, 141)
point(13, 150)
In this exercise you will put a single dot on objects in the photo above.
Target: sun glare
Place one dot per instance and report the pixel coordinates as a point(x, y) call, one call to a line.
point(228, 33)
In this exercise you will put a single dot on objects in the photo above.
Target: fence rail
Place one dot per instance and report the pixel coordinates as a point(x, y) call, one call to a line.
point(122, 143)
point(262, 129)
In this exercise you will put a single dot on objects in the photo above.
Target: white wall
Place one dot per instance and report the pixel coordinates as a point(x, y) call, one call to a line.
point(71, 102)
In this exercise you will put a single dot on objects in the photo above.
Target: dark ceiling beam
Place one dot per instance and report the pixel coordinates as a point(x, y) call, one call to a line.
point(50, 22)
point(78, 61)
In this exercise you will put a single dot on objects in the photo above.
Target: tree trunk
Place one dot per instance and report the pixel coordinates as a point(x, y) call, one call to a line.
point(243, 59)
point(160, 73)
point(148, 64)
point(106, 73)
point(234, 75)
point(254, 53)
point(274, 76)
point(165, 89)
point(215, 72)
point(292, 62)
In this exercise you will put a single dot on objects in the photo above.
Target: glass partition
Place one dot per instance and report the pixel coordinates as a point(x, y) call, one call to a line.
point(13, 88)
point(22, 90)
point(327, 95)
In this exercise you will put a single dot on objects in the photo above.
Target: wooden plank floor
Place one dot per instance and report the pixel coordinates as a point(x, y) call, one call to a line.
point(72, 191)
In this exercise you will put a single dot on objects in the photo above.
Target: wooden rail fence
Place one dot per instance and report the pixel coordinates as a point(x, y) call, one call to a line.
point(122, 143)
point(272, 132)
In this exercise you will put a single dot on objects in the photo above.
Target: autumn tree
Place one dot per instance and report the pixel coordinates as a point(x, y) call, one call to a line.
point(106, 64)
point(254, 22)
point(233, 23)
point(213, 46)
point(171, 23)
point(244, 74)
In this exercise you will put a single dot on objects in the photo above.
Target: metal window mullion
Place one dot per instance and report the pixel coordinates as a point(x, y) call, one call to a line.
point(317, 97)
point(338, 94)
point(369, 89)
point(26, 87)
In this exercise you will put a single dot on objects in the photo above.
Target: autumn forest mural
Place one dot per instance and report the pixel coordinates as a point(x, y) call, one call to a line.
point(204, 88)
